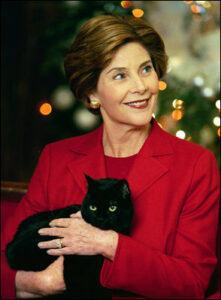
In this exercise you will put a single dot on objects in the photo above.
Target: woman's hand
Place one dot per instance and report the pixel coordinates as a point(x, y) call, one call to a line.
point(38, 284)
point(79, 237)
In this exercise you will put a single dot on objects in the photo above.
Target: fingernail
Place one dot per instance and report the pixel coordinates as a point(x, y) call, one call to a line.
point(39, 245)
point(40, 231)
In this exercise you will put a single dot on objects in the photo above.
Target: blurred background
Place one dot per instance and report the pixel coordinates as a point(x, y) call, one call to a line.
point(37, 106)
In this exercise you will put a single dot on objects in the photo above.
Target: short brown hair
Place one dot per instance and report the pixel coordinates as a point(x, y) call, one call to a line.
point(96, 43)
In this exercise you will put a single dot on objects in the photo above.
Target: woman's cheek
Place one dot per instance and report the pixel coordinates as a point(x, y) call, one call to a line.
point(155, 87)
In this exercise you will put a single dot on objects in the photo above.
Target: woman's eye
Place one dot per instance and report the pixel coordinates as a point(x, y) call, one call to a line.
point(93, 207)
point(119, 76)
point(112, 208)
point(147, 69)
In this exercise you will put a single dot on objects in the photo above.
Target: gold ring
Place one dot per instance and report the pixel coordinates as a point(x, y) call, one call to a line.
point(59, 243)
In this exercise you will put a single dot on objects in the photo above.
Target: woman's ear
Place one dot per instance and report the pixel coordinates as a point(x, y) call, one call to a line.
point(93, 96)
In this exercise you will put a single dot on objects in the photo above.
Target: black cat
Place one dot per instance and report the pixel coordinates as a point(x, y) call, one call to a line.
point(107, 205)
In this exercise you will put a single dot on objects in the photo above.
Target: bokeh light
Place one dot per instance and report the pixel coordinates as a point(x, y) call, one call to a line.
point(206, 4)
point(126, 4)
point(85, 119)
point(162, 85)
point(137, 12)
point(177, 114)
point(177, 104)
point(206, 135)
point(45, 109)
point(217, 104)
point(198, 80)
point(208, 92)
point(181, 134)
point(62, 98)
point(195, 8)
point(216, 121)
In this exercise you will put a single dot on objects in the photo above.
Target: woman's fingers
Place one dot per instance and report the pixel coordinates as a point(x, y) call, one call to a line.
point(62, 251)
point(53, 244)
point(62, 222)
point(76, 215)
point(54, 231)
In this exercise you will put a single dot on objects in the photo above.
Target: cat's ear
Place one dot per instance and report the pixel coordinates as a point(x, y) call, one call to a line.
point(90, 180)
point(124, 187)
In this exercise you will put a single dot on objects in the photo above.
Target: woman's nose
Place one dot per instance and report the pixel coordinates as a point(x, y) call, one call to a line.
point(138, 85)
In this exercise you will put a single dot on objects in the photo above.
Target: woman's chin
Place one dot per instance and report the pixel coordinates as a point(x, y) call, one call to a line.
point(140, 122)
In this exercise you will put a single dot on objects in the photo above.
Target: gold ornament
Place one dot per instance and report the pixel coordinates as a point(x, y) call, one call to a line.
point(94, 104)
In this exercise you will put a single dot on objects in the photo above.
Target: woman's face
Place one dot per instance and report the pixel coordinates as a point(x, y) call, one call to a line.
point(127, 88)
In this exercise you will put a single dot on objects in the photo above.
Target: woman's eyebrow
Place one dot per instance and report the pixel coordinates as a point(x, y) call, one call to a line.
point(124, 68)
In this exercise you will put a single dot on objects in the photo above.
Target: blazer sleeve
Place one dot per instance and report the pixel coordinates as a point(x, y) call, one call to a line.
point(34, 201)
point(186, 272)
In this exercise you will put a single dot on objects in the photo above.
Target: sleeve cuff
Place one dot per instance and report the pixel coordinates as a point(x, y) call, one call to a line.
point(109, 266)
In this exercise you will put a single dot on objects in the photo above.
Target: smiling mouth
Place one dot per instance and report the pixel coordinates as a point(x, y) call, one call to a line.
point(138, 103)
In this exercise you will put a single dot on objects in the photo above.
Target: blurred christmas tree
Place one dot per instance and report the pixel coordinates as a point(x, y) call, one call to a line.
point(191, 112)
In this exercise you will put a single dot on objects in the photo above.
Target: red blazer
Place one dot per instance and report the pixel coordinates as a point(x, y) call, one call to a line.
point(174, 185)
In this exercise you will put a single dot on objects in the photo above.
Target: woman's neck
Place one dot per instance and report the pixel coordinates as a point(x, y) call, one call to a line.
point(124, 141)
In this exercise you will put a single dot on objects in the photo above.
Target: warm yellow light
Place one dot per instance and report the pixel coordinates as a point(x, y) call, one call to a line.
point(206, 4)
point(125, 4)
point(162, 85)
point(188, 2)
point(218, 132)
point(177, 114)
point(177, 103)
point(137, 12)
point(195, 9)
point(45, 109)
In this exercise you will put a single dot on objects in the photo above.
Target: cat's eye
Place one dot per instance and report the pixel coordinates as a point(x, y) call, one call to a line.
point(93, 207)
point(112, 208)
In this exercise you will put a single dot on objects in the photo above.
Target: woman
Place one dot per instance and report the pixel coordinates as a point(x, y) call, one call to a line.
point(114, 66)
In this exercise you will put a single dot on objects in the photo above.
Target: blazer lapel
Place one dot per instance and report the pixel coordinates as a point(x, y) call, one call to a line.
point(152, 161)
point(89, 159)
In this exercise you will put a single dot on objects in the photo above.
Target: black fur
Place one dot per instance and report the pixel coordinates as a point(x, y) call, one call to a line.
point(107, 205)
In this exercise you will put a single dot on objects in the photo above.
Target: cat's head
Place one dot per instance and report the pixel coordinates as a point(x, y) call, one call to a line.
point(108, 204)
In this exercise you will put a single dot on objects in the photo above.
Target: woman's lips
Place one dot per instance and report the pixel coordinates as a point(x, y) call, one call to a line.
point(139, 104)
